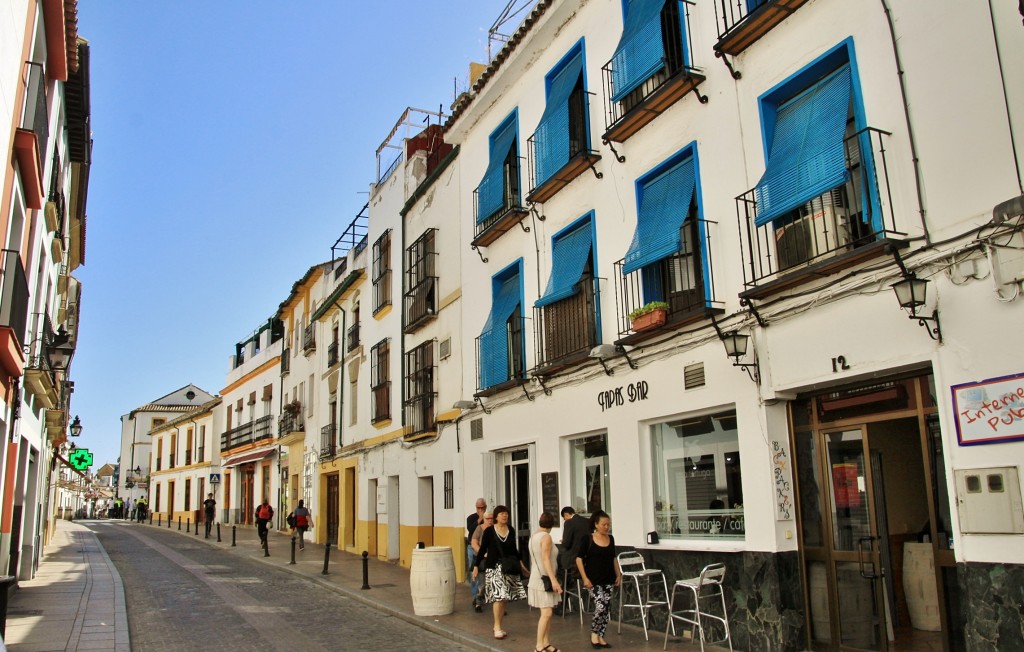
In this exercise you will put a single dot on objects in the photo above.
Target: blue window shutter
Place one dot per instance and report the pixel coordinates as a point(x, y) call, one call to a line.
point(640, 52)
point(551, 140)
point(806, 156)
point(664, 205)
point(491, 192)
point(494, 338)
point(569, 256)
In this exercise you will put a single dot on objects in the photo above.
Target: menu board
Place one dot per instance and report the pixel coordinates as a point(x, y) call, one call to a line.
point(549, 492)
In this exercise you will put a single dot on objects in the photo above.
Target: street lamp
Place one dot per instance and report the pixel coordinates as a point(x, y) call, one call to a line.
point(76, 426)
point(60, 351)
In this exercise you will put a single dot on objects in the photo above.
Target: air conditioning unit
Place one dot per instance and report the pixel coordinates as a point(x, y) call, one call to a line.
point(823, 227)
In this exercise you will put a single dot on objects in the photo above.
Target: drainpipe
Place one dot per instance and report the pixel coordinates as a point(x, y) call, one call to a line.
point(1006, 99)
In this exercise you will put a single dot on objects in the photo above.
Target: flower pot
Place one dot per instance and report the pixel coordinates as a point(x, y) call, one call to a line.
point(650, 320)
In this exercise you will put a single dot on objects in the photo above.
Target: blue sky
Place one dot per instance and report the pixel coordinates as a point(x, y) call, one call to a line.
point(233, 143)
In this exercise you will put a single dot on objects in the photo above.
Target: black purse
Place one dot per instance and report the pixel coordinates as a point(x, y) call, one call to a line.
point(547, 583)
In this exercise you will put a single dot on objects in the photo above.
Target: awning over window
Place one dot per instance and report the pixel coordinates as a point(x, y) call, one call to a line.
point(551, 140)
point(664, 205)
point(640, 52)
point(494, 350)
point(805, 153)
point(248, 456)
point(569, 256)
point(491, 192)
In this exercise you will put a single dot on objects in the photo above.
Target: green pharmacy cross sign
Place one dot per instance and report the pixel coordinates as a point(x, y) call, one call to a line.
point(81, 459)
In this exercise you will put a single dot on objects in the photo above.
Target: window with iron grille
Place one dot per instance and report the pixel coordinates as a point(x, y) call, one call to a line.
point(449, 489)
point(419, 388)
point(380, 381)
point(382, 271)
point(566, 315)
point(421, 279)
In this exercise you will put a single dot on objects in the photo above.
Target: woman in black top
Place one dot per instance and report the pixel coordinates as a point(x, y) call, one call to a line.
point(599, 570)
point(503, 568)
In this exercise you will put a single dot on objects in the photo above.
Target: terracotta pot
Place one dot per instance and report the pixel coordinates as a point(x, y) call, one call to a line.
point(649, 320)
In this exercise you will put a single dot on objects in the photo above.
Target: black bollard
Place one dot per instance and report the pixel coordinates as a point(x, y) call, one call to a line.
point(218, 533)
point(5, 583)
point(292, 562)
point(327, 557)
point(151, 518)
point(232, 536)
point(160, 520)
point(179, 524)
point(197, 529)
point(188, 524)
point(366, 571)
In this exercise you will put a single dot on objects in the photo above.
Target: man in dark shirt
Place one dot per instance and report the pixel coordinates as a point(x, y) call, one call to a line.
point(209, 507)
point(472, 521)
point(575, 530)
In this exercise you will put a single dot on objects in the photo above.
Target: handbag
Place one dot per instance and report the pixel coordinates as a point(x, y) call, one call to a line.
point(547, 583)
point(510, 565)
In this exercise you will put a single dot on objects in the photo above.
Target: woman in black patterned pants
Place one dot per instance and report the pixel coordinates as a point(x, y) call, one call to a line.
point(599, 570)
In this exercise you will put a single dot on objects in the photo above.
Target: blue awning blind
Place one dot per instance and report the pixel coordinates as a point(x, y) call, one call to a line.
point(664, 205)
point(569, 256)
point(640, 52)
point(491, 192)
point(806, 156)
point(494, 344)
point(551, 140)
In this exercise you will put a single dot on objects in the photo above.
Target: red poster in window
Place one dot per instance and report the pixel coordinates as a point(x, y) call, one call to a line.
point(844, 485)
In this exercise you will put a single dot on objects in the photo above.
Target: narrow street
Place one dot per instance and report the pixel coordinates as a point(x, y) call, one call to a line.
point(184, 595)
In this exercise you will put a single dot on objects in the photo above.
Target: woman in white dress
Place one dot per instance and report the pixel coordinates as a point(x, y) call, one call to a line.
point(543, 562)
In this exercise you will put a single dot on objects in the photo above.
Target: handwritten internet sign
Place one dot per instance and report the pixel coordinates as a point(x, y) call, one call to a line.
point(989, 411)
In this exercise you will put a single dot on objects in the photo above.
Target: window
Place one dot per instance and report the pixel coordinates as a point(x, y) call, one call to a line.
point(667, 259)
point(201, 453)
point(353, 400)
point(563, 131)
point(449, 489)
point(698, 493)
point(353, 330)
point(419, 388)
point(818, 195)
point(382, 272)
point(380, 381)
point(421, 279)
point(189, 441)
point(588, 474)
point(173, 451)
point(159, 454)
point(566, 317)
point(498, 192)
point(188, 493)
point(500, 346)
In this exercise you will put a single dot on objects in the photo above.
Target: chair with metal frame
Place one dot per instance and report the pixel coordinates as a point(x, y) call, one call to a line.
point(571, 578)
point(636, 574)
point(707, 586)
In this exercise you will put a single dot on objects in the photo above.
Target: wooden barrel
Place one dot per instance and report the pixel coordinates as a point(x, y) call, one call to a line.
point(432, 581)
point(919, 586)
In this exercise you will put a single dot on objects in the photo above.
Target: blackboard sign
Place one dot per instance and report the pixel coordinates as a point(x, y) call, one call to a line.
point(549, 492)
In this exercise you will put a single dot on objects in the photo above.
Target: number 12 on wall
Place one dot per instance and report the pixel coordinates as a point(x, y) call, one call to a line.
point(839, 364)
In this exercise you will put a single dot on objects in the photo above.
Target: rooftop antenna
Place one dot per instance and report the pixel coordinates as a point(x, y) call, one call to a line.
point(496, 33)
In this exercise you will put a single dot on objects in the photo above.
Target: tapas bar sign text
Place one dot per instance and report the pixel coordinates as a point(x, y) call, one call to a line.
point(621, 395)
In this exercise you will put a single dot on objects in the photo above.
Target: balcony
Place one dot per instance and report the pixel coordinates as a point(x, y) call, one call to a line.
point(55, 212)
point(39, 374)
point(509, 214)
point(838, 229)
point(566, 331)
point(630, 113)
point(545, 185)
point(419, 415)
point(421, 304)
point(332, 353)
point(200, 454)
point(742, 22)
point(352, 337)
point(188, 458)
point(684, 280)
point(263, 428)
point(170, 461)
point(290, 423)
point(286, 361)
point(328, 442)
point(380, 402)
point(13, 312)
point(500, 357)
point(309, 339)
point(31, 137)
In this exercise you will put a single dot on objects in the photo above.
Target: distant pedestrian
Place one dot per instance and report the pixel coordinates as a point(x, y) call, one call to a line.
point(209, 510)
point(263, 515)
point(303, 521)
point(503, 567)
point(473, 521)
point(474, 543)
point(128, 507)
point(141, 509)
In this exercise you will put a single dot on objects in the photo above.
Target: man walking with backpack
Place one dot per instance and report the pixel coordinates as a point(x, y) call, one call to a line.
point(301, 520)
point(209, 509)
point(263, 515)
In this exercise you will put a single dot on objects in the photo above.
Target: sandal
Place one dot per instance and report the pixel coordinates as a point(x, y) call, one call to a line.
point(500, 634)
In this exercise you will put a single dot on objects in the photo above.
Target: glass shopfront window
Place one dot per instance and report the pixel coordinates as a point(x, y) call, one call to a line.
point(588, 459)
point(696, 468)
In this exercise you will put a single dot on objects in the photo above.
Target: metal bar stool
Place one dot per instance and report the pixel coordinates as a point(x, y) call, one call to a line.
point(571, 578)
point(636, 573)
point(707, 586)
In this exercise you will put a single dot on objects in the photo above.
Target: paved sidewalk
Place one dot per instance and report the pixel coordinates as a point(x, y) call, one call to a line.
point(80, 566)
point(75, 601)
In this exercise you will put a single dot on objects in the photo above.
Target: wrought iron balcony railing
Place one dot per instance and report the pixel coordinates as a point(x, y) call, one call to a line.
point(328, 441)
point(34, 117)
point(286, 361)
point(508, 215)
point(332, 353)
point(309, 338)
point(13, 294)
point(421, 304)
point(380, 400)
point(501, 357)
point(352, 336)
point(289, 423)
point(566, 331)
point(742, 22)
point(545, 183)
point(419, 414)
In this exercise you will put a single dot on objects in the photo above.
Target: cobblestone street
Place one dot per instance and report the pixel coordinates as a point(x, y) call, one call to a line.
point(184, 595)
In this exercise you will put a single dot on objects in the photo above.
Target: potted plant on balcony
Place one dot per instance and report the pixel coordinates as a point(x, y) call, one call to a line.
point(650, 315)
point(293, 409)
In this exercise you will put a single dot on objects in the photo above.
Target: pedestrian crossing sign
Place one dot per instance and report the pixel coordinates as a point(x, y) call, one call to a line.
point(215, 478)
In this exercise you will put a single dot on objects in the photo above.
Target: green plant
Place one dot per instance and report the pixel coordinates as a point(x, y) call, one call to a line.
point(646, 308)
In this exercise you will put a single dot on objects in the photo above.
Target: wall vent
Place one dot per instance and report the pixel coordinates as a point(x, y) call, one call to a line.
point(445, 348)
point(693, 376)
point(476, 429)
